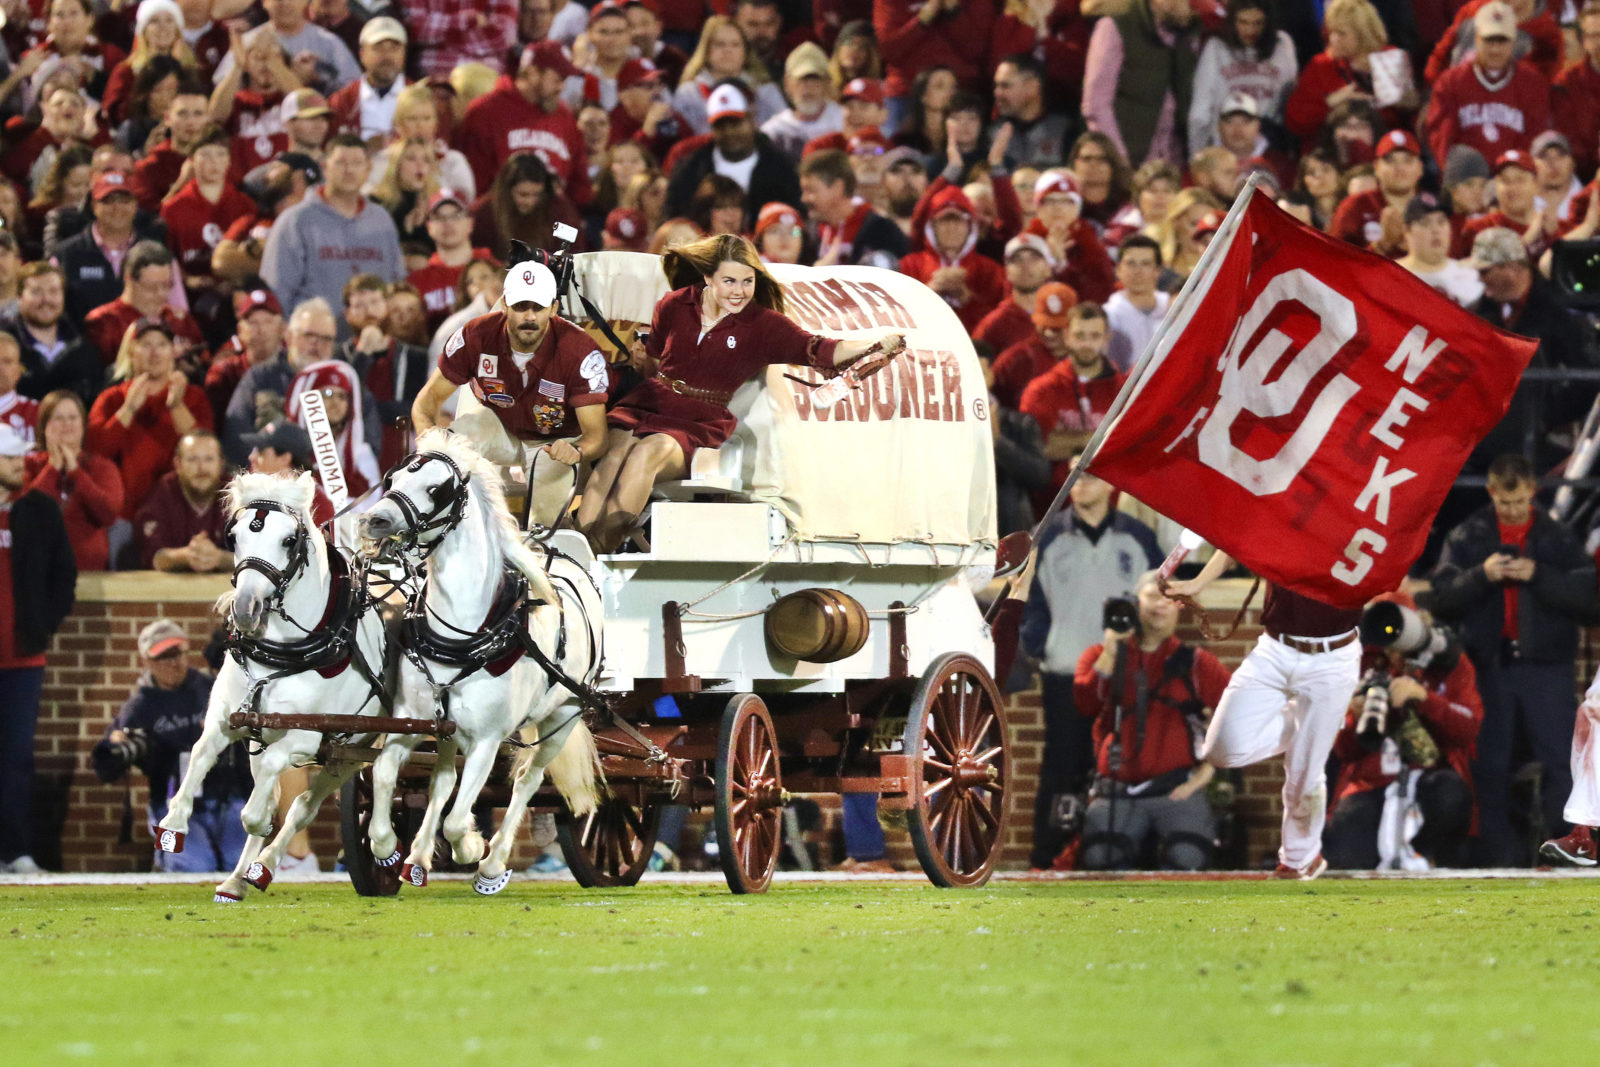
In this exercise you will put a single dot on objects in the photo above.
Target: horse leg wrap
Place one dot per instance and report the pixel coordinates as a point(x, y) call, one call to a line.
point(390, 860)
point(219, 897)
point(258, 875)
point(170, 840)
point(488, 887)
point(414, 874)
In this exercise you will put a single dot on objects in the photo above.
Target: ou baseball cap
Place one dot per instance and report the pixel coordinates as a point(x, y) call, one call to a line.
point(1029, 242)
point(247, 300)
point(1495, 19)
point(382, 28)
point(549, 55)
point(12, 443)
point(726, 102)
point(868, 89)
point(304, 104)
point(628, 227)
point(1051, 304)
point(162, 637)
point(1238, 103)
point(637, 72)
point(1515, 157)
point(529, 283)
point(446, 195)
point(1495, 246)
point(282, 436)
point(776, 213)
point(110, 184)
point(1053, 182)
point(1424, 204)
point(1397, 141)
point(868, 142)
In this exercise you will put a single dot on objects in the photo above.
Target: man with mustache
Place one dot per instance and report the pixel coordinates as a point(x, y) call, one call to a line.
point(536, 389)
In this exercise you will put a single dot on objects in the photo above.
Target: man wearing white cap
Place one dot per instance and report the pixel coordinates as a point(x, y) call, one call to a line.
point(536, 389)
point(366, 105)
point(1489, 101)
point(37, 576)
point(738, 151)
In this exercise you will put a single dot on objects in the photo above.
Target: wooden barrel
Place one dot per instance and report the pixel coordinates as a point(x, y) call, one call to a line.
point(817, 625)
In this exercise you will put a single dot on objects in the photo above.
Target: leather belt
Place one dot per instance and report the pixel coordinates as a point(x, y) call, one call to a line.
point(1312, 645)
point(710, 396)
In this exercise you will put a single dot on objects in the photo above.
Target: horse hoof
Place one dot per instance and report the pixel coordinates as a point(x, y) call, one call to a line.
point(221, 897)
point(414, 874)
point(258, 875)
point(171, 840)
point(488, 887)
point(389, 860)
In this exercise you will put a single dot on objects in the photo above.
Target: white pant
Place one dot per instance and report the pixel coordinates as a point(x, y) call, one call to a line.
point(1583, 805)
point(550, 481)
point(1283, 701)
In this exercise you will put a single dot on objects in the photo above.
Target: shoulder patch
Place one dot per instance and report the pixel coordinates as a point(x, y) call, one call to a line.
point(593, 369)
point(457, 339)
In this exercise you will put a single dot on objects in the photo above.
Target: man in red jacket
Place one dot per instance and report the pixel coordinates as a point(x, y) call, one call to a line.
point(1538, 40)
point(146, 294)
point(1027, 268)
point(155, 177)
point(202, 209)
point(1077, 256)
point(1489, 101)
point(1409, 765)
point(1150, 696)
point(971, 283)
point(1045, 345)
point(526, 114)
point(916, 34)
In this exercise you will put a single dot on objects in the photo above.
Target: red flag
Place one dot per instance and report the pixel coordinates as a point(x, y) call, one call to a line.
point(1309, 408)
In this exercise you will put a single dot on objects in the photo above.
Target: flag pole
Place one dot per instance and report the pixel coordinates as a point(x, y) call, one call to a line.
point(1224, 236)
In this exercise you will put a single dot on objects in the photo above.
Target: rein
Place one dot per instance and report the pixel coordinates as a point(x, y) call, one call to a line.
point(1200, 613)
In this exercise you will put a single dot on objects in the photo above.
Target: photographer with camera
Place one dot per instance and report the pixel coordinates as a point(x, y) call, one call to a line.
point(154, 732)
point(1517, 585)
point(1403, 800)
point(1150, 695)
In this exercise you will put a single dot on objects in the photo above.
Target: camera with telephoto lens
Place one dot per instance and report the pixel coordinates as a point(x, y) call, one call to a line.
point(112, 759)
point(1373, 722)
point(1120, 615)
point(559, 261)
point(1424, 645)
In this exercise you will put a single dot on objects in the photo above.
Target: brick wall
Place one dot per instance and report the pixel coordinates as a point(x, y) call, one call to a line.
point(93, 665)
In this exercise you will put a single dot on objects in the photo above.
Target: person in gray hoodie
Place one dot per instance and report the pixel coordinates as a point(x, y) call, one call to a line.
point(332, 235)
point(1087, 553)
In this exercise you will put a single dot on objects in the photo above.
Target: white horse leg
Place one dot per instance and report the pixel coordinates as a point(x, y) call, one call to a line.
point(459, 827)
point(301, 812)
point(174, 825)
point(385, 776)
point(415, 869)
point(492, 872)
point(232, 888)
point(256, 816)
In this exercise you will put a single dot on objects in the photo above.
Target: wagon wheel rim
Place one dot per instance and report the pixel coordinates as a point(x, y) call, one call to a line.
point(956, 736)
point(749, 812)
point(366, 876)
point(610, 846)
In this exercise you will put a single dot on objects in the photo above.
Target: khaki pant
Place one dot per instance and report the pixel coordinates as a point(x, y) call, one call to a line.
point(550, 481)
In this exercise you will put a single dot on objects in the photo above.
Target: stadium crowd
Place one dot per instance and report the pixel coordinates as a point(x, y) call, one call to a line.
point(210, 207)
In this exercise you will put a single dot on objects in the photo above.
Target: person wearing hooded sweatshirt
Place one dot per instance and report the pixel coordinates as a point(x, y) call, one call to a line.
point(334, 233)
point(344, 397)
point(970, 283)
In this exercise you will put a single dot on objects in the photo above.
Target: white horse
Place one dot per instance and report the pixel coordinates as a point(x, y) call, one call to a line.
point(466, 657)
point(307, 644)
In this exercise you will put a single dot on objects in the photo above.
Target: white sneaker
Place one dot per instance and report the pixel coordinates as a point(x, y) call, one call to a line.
point(22, 865)
point(306, 864)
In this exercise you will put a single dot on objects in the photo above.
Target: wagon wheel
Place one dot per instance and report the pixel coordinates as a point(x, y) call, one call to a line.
point(749, 812)
point(355, 813)
point(611, 845)
point(956, 741)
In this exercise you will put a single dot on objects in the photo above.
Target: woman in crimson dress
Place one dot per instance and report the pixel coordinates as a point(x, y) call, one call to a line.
point(722, 323)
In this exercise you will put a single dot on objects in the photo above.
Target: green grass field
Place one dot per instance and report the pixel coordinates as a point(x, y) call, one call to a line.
point(1335, 972)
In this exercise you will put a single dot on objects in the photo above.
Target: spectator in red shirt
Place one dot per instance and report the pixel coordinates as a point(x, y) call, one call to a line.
point(970, 283)
point(17, 411)
point(392, 370)
point(257, 341)
point(1489, 101)
point(862, 107)
point(182, 527)
point(366, 106)
point(644, 112)
point(137, 421)
point(945, 33)
point(1340, 74)
point(609, 47)
point(1516, 208)
point(1375, 219)
point(26, 161)
point(1538, 38)
point(644, 30)
point(1021, 362)
point(450, 227)
point(87, 486)
point(157, 31)
point(523, 204)
point(1069, 400)
point(202, 208)
point(161, 172)
point(1575, 96)
point(249, 99)
point(1077, 256)
point(1027, 268)
point(147, 277)
point(528, 115)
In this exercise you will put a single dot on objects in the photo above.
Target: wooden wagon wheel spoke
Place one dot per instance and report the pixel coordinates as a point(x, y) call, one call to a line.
point(981, 809)
point(978, 736)
point(937, 739)
point(749, 795)
point(612, 845)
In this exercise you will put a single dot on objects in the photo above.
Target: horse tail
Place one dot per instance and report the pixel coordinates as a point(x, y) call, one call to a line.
point(576, 770)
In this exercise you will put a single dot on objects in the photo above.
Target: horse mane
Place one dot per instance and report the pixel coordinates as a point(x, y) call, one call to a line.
point(483, 481)
point(296, 491)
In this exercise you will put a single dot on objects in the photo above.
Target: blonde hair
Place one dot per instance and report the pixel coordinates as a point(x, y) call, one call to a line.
point(1361, 19)
point(123, 368)
point(690, 264)
point(1165, 231)
point(142, 53)
point(388, 192)
point(755, 73)
point(470, 81)
point(416, 97)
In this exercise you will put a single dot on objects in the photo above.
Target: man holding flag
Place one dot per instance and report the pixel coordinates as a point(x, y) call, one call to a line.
point(1305, 407)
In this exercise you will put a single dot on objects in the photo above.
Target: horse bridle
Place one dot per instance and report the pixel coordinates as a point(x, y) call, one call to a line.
point(298, 544)
point(449, 501)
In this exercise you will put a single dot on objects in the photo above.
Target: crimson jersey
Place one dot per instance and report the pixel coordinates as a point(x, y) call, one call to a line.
point(1491, 116)
point(1005, 326)
point(1289, 613)
point(257, 127)
point(20, 413)
point(500, 124)
point(437, 284)
point(536, 400)
point(1017, 366)
point(195, 226)
point(1359, 221)
point(106, 325)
